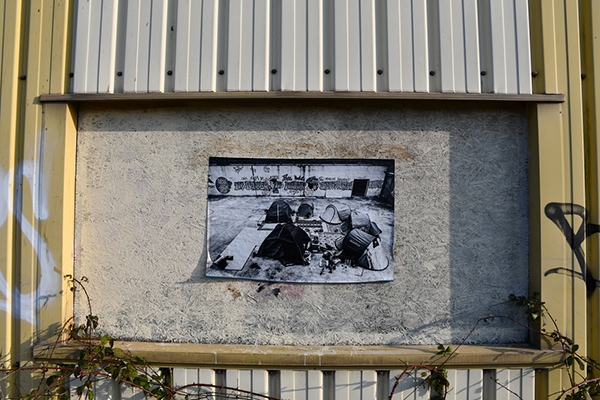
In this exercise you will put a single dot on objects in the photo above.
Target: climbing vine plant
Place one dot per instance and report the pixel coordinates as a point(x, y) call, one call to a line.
point(100, 360)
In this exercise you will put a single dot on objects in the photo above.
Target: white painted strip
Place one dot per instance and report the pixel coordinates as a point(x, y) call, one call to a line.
point(314, 63)
point(394, 45)
point(108, 48)
point(182, 43)
point(183, 377)
point(465, 384)
point(368, 46)
point(368, 385)
point(510, 43)
point(420, 48)
point(82, 47)
point(289, 388)
point(523, 46)
point(262, 25)
point(301, 57)
point(353, 43)
point(158, 46)
point(340, 45)
point(208, 58)
point(472, 63)
point(288, 45)
point(446, 44)
point(234, 46)
point(498, 46)
point(132, 33)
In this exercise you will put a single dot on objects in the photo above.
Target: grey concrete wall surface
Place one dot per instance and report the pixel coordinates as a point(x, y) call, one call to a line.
point(460, 238)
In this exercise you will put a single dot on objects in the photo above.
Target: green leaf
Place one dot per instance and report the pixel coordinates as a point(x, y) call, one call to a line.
point(118, 352)
point(104, 339)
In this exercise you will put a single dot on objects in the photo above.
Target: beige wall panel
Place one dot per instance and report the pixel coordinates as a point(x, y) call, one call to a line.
point(461, 238)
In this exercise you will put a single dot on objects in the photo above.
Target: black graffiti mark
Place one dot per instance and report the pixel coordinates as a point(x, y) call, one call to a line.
point(557, 213)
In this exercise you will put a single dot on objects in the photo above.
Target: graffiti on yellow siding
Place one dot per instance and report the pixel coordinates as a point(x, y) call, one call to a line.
point(557, 213)
point(49, 280)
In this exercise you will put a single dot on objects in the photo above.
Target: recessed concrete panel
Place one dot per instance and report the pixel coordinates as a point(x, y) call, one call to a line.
point(460, 223)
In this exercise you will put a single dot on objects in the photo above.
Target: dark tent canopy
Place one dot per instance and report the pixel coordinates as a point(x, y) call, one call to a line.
point(280, 211)
point(286, 243)
point(306, 209)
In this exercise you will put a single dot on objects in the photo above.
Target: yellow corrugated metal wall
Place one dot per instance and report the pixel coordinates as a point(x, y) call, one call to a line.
point(37, 160)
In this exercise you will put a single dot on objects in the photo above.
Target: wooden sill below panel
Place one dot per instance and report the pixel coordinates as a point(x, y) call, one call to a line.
point(317, 357)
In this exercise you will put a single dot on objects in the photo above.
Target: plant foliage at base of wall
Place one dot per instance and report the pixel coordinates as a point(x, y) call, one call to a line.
point(100, 360)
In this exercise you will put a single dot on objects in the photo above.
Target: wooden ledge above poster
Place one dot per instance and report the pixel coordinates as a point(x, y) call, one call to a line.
point(538, 98)
point(315, 357)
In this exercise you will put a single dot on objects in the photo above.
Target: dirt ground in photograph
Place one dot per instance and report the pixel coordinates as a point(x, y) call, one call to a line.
point(229, 215)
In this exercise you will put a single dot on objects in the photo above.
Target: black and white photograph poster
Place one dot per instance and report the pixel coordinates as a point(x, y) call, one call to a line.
point(315, 221)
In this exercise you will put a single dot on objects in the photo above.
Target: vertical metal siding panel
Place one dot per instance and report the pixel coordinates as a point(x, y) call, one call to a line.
point(315, 385)
point(247, 46)
point(143, 67)
point(410, 386)
point(368, 385)
point(498, 46)
point(475, 389)
point(528, 384)
point(193, 57)
point(407, 46)
point(288, 43)
point(420, 47)
point(353, 43)
point(80, 64)
point(260, 382)
point(472, 67)
point(301, 47)
point(348, 385)
point(368, 46)
point(340, 45)
point(131, 46)
point(510, 43)
point(158, 46)
point(465, 384)
point(523, 47)
point(108, 47)
point(208, 58)
point(460, 84)
point(235, 45)
point(288, 384)
point(262, 25)
point(94, 46)
point(183, 377)
point(182, 43)
point(446, 44)
point(314, 63)
point(394, 45)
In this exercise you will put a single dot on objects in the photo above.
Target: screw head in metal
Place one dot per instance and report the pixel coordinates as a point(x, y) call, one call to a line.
point(327, 71)
point(169, 72)
point(379, 71)
point(273, 71)
point(534, 73)
point(483, 73)
point(432, 73)
point(119, 73)
point(583, 76)
point(22, 77)
point(71, 74)
point(221, 72)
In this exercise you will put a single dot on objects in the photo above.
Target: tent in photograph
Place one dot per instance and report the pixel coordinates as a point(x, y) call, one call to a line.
point(286, 243)
point(280, 211)
point(306, 209)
